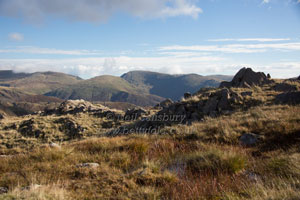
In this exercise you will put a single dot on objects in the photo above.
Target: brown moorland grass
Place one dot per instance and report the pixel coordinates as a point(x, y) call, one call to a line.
point(201, 161)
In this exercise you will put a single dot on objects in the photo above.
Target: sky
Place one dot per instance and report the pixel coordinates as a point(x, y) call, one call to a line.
point(89, 38)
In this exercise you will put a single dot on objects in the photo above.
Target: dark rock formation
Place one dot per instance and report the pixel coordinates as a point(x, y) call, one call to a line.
point(135, 113)
point(285, 87)
point(249, 139)
point(288, 98)
point(28, 129)
point(70, 127)
point(166, 103)
point(187, 95)
point(74, 107)
point(246, 77)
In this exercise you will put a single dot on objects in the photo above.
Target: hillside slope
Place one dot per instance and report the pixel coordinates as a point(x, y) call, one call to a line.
point(36, 83)
point(172, 86)
point(15, 102)
point(106, 88)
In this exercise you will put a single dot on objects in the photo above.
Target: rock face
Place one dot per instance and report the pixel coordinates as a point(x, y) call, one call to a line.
point(298, 78)
point(246, 77)
point(288, 98)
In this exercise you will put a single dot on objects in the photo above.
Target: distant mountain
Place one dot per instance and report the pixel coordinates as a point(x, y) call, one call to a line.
point(15, 102)
point(172, 86)
point(36, 83)
point(106, 88)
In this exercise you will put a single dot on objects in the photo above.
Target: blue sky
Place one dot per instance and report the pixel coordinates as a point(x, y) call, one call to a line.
point(94, 37)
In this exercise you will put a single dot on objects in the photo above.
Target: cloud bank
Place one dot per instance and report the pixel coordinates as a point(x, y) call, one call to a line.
point(97, 10)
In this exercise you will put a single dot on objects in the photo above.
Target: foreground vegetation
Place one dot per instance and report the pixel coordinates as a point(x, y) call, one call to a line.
point(202, 161)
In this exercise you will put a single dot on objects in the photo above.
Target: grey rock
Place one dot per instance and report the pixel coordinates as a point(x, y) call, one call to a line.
point(246, 77)
point(88, 165)
point(3, 190)
point(166, 103)
point(210, 105)
point(249, 139)
point(135, 113)
point(54, 145)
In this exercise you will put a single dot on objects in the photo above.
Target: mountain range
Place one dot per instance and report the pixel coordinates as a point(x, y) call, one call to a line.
point(141, 88)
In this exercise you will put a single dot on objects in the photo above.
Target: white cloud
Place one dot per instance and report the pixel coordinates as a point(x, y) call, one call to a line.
point(265, 1)
point(16, 37)
point(97, 10)
point(235, 48)
point(205, 65)
point(38, 50)
point(250, 40)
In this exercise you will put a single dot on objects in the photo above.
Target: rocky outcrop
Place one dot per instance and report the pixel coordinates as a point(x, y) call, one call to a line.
point(246, 77)
point(285, 87)
point(215, 103)
point(249, 139)
point(28, 129)
point(187, 95)
point(74, 107)
point(70, 127)
point(135, 113)
point(288, 98)
point(1, 116)
point(164, 104)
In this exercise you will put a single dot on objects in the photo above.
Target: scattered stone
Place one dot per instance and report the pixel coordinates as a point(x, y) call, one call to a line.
point(3, 190)
point(253, 177)
point(249, 139)
point(246, 77)
point(288, 98)
point(1, 116)
point(187, 95)
point(88, 165)
point(54, 145)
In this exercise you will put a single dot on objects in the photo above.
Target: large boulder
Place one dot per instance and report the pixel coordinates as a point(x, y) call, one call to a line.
point(246, 77)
